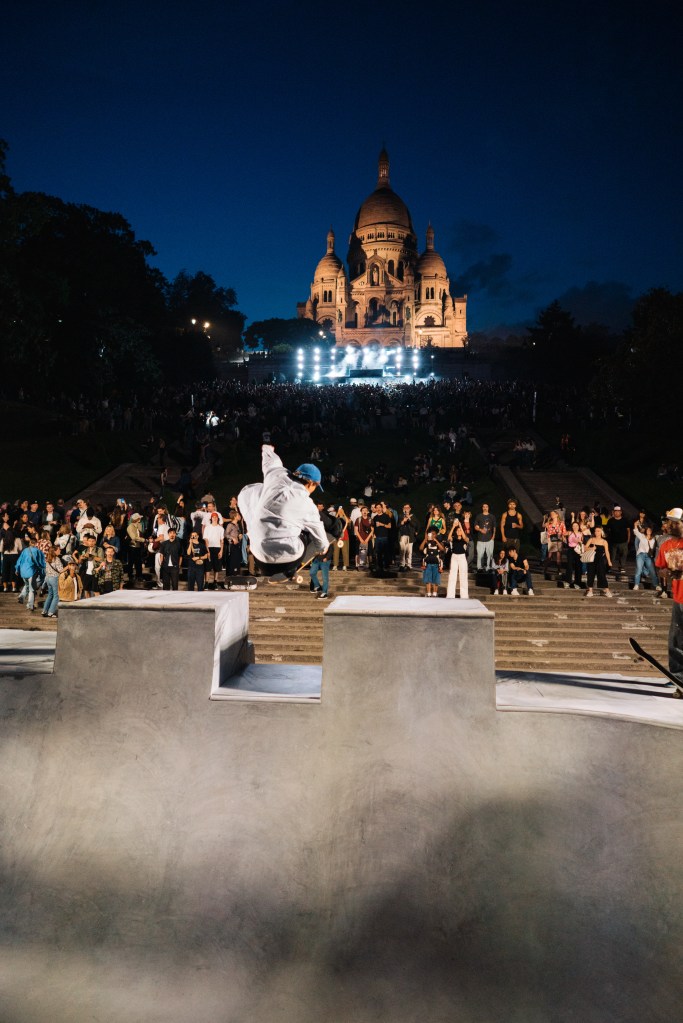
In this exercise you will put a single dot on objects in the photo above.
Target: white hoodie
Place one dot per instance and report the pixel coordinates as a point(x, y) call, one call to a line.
point(276, 511)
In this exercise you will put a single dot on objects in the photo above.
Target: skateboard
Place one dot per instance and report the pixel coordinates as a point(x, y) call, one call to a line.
point(299, 578)
point(362, 556)
point(241, 582)
point(656, 664)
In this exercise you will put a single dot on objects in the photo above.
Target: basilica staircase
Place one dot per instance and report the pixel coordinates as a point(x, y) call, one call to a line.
point(555, 630)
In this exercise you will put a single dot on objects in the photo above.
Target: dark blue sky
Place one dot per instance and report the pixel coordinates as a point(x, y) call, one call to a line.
point(544, 141)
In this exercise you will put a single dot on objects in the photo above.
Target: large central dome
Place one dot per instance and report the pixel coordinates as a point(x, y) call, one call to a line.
point(383, 206)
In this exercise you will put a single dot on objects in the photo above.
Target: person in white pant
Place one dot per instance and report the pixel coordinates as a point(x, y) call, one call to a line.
point(458, 569)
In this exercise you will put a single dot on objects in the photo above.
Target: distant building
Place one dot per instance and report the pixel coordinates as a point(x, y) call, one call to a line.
point(390, 295)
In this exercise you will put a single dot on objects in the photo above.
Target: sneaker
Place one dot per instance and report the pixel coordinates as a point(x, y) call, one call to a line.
point(664, 594)
point(504, 593)
point(658, 589)
point(529, 593)
point(322, 596)
point(496, 593)
point(43, 614)
point(636, 586)
point(51, 615)
point(20, 599)
point(608, 593)
point(514, 593)
point(589, 593)
point(344, 569)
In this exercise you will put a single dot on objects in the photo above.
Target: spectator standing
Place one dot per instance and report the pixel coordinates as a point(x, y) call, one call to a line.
point(407, 532)
point(645, 542)
point(341, 547)
point(109, 572)
point(432, 549)
point(53, 567)
point(30, 568)
point(670, 557)
point(485, 532)
point(383, 524)
point(170, 551)
point(618, 535)
point(600, 563)
point(70, 585)
point(197, 558)
point(136, 546)
point(457, 572)
point(511, 526)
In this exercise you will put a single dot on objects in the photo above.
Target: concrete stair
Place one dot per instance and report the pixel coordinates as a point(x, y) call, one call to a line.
point(557, 629)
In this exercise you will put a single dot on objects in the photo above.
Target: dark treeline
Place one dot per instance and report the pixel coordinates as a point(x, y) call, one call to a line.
point(83, 311)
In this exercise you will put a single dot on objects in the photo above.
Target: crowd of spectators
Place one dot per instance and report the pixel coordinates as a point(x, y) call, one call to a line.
point(158, 544)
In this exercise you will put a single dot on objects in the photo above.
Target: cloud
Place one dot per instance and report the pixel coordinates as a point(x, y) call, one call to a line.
point(607, 302)
point(470, 239)
point(488, 274)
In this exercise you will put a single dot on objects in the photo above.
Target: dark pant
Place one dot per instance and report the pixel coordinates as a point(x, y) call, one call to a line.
point(169, 577)
point(195, 576)
point(676, 641)
point(618, 553)
point(574, 567)
point(135, 563)
point(382, 552)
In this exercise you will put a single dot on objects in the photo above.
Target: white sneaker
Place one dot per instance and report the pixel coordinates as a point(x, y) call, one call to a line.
point(514, 593)
point(530, 593)
point(636, 586)
point(589, 593)
point(608, 593)
point(496, 593)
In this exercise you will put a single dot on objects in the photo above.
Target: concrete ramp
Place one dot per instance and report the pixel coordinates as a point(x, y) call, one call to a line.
point(397, 850)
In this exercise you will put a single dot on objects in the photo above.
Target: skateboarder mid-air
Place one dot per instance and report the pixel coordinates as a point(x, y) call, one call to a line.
point(283, 523)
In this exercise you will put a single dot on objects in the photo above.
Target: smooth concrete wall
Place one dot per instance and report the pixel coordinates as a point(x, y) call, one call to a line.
point(399, 851)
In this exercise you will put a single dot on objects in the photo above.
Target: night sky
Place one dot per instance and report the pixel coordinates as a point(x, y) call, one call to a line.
point(543, 141)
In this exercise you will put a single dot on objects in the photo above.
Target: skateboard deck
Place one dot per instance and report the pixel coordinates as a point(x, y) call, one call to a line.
point(656, 664)
point(241, 582)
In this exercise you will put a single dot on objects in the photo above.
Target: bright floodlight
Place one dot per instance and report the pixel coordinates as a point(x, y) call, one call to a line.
point(316, 375)
point(349, 349)
point(299, 375)
point(299, 351)
point(407, 376)
point(317, 351)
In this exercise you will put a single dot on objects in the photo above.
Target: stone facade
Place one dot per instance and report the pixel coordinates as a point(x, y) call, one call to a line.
point(390, 295)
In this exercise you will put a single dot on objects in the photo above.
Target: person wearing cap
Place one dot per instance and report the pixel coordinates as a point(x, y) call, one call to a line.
point(283, 524)
point(136, 546)
point(670, 557)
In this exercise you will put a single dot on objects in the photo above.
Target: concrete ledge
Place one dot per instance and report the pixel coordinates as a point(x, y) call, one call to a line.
point(608, 493)
point(407, 607)
point(202, 637)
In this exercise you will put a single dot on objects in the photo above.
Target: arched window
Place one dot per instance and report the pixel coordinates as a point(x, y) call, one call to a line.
point(400, 270)
point(390, 267)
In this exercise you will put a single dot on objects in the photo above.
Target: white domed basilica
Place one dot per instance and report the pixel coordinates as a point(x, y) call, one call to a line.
point(390, 295)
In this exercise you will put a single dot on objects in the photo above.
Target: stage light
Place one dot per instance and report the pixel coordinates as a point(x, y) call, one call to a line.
point(349, 349)
point(299, 351)
point(316, 375)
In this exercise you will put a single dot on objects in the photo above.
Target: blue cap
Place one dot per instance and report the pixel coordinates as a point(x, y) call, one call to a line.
point(309, 472)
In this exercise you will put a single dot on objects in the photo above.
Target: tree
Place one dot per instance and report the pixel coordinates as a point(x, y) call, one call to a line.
point(204, 314)
point(298, 333)
point(554, 329)
point(651, 347)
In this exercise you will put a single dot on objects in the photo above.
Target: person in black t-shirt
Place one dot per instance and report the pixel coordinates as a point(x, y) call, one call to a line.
point(432, 550)
point(383, 524)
